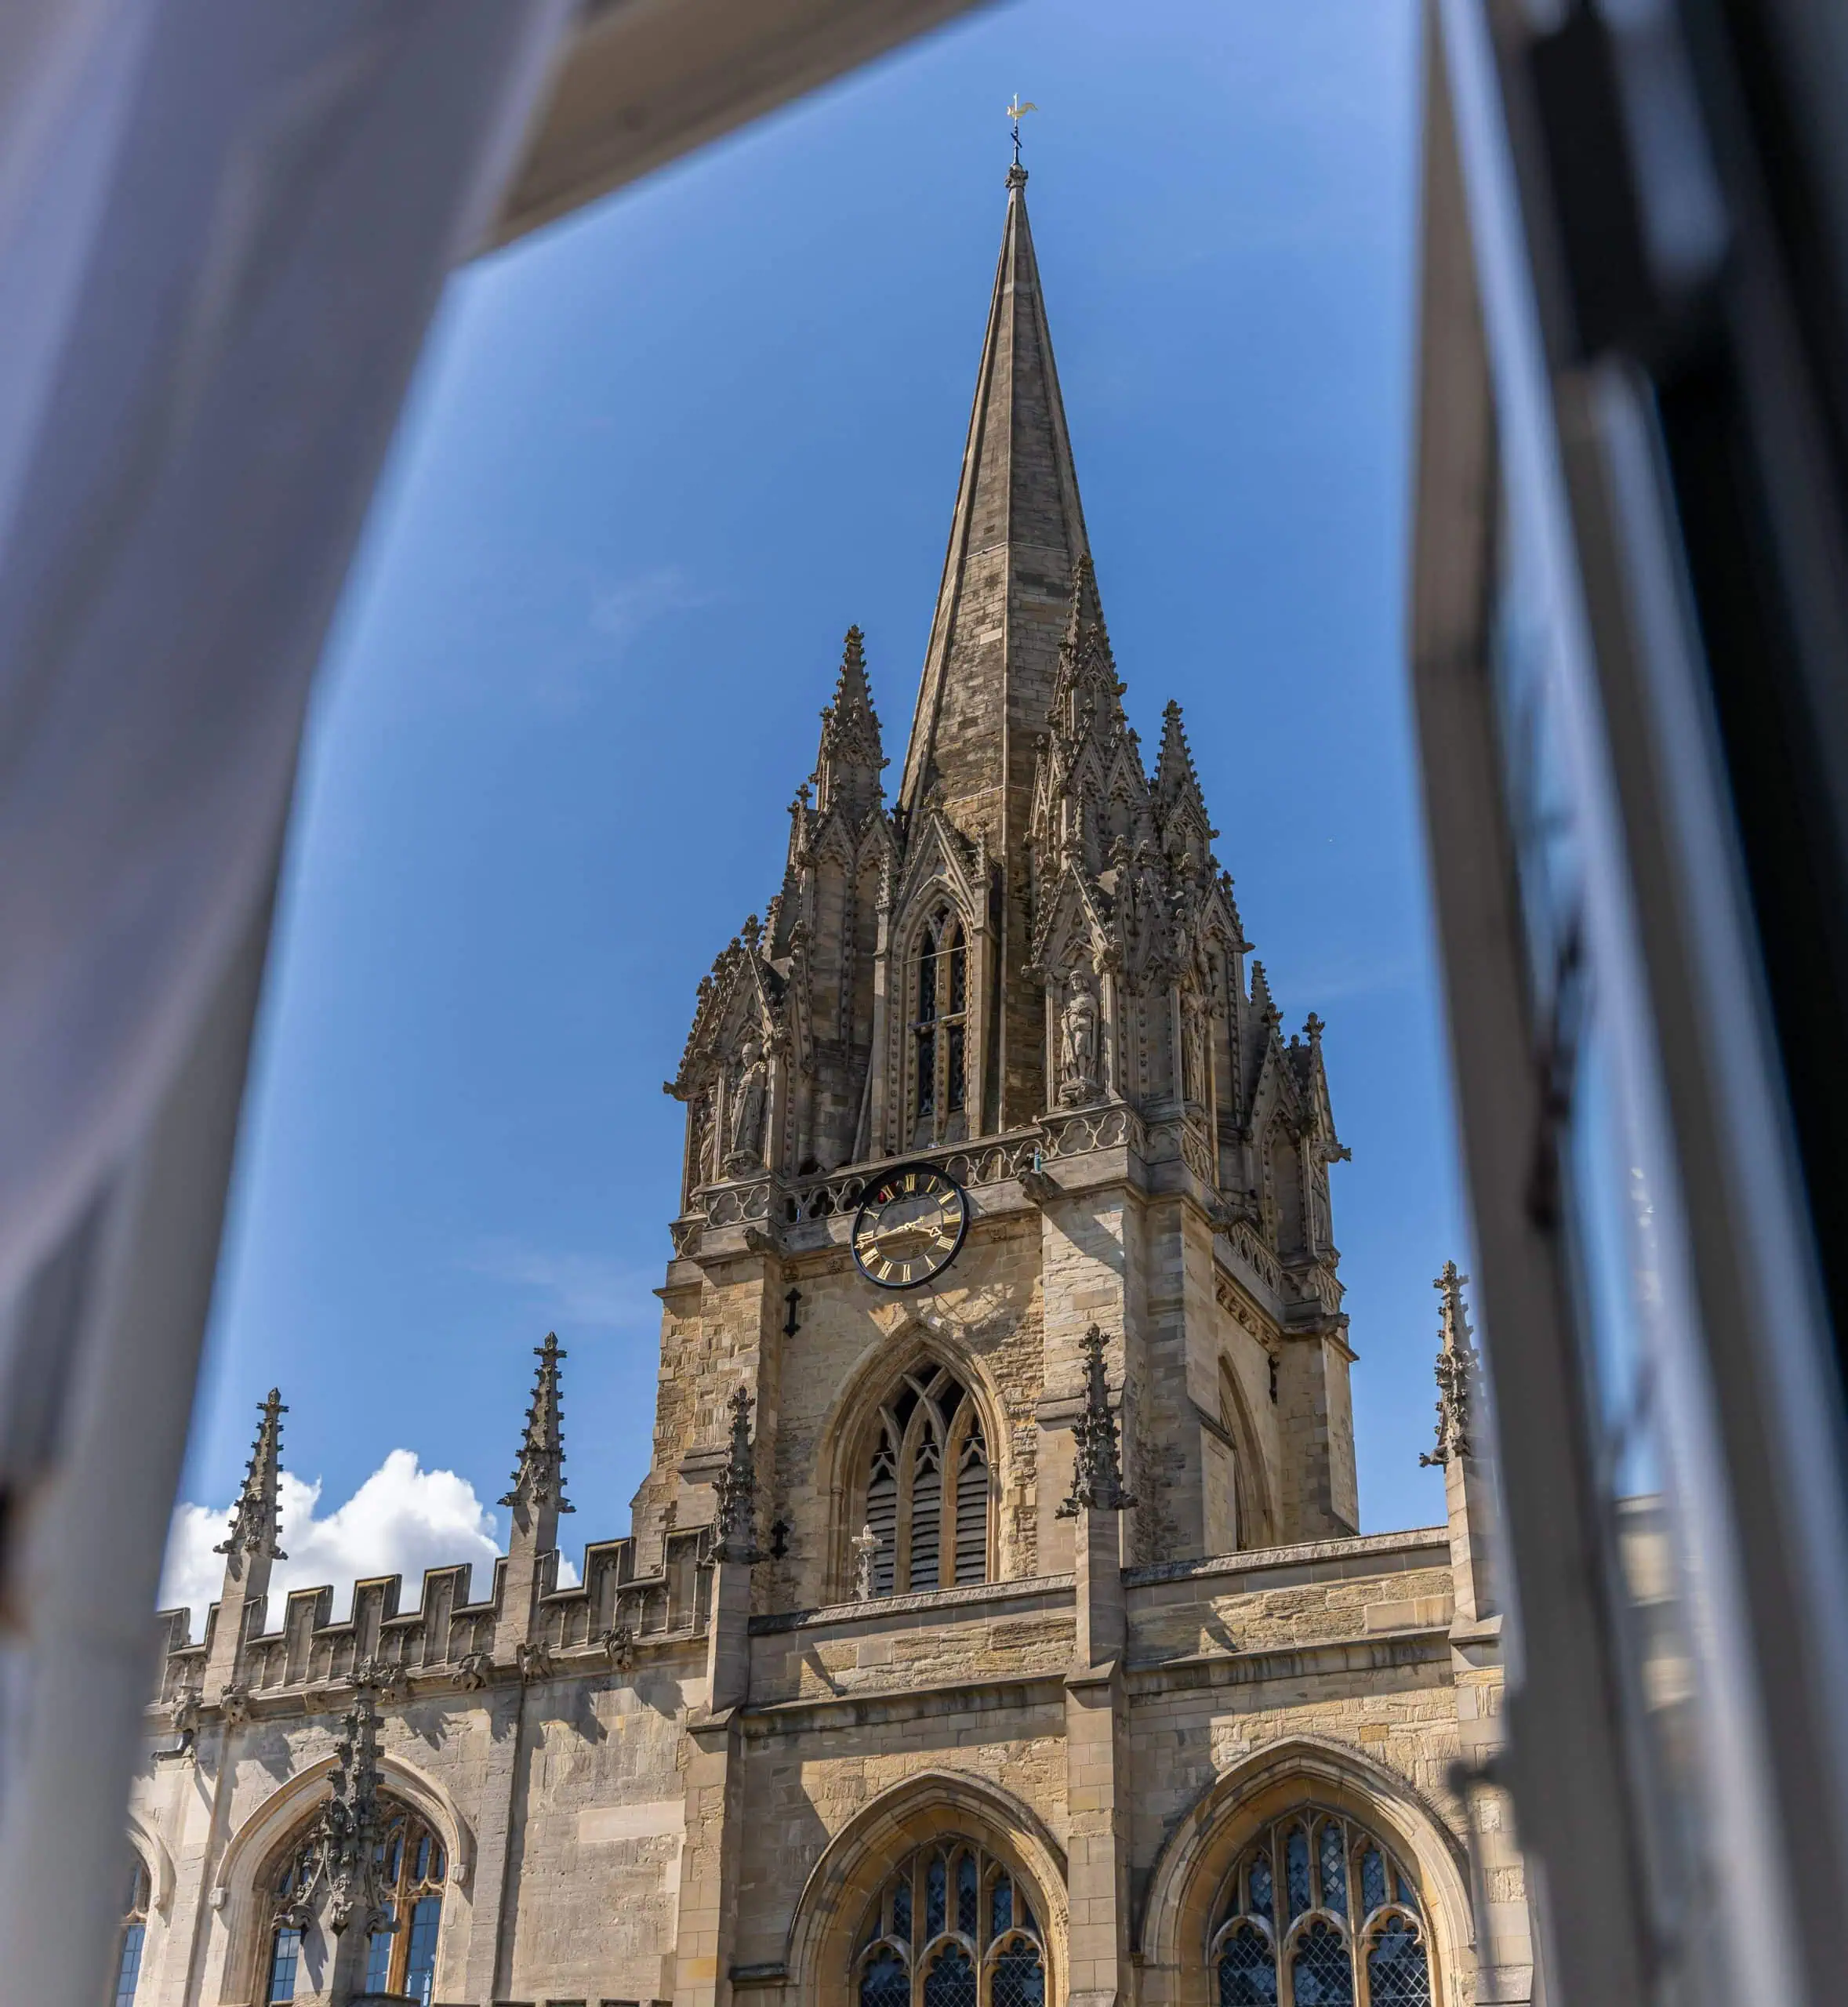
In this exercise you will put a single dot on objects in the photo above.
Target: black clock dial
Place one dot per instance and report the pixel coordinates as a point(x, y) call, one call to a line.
point(910, 1224)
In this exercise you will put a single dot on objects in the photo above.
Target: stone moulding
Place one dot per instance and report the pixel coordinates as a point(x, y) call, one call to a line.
point(1027, 1588)
point(1428, 1645)
point(1201, 1842)
point(1004, 1693)
point(972, 1165)
point(930, 1802)
point(1248, 1561)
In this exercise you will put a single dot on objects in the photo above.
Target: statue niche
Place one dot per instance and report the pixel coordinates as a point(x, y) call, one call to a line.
point(745, 1151)
point(1078, 1043)
point(1193, 1048)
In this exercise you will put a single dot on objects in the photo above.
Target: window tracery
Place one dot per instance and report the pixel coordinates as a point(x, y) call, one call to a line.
point(289, 1917)
point(951, 1928)
point(939, 1030)
point(927, 1484)
point(134, 1934)
point(1318, 1913)
point(400, 1958)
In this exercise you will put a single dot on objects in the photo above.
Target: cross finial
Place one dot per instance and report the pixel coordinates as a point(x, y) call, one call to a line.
point(1016, 111)
point(865, 1549)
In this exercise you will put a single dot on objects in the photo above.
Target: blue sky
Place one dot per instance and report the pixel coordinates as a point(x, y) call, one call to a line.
point(657, 459)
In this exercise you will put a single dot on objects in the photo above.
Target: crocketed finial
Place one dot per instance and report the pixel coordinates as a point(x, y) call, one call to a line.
point(538, 1476)
point(1457, 1366)
point(256, 1519)
point(735, 1529)
point(1097, 1472)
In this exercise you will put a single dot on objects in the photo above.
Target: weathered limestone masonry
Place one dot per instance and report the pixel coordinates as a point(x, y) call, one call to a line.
point(995, 1629)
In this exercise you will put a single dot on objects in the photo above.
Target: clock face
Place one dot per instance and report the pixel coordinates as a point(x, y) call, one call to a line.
point(910, 1224)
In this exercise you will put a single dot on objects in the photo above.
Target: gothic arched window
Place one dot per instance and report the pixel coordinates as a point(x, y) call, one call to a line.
point(927, 1486)
point(289, 1887)
point(401, 1958)
point(1320, 1913)
point(939, 1030)
point(134, 1934)
point(402, 1955)
point(951, 1928)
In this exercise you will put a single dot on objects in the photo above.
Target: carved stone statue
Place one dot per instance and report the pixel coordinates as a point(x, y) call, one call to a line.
point(699, 1148)
point(1194, 1049)
point(747, 1109)
point(1077, 1044)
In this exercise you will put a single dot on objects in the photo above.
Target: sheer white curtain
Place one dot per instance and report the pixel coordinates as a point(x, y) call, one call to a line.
point(224, 227)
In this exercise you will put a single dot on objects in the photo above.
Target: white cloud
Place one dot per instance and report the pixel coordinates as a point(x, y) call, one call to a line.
point(402, 1520)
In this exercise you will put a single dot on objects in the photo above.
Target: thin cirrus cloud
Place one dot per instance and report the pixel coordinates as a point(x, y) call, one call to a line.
point(402, 1520)
point(587, 1291)
point(620, 612)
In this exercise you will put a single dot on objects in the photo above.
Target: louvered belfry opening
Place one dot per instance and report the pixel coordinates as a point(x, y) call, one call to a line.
point(940, 1032)
point(927, 1485)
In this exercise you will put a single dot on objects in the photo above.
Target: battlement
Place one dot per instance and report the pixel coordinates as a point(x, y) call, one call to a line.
point(446, 1638)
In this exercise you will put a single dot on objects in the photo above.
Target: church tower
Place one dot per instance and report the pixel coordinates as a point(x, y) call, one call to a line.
point(1022, 980)
point(995, 1630)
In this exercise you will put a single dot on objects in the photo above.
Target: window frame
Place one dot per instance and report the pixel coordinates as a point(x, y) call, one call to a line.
point(918, 1947)
point(1283, 1931)
point(885, 1438)
point(403, 1885)
point(940, 945)
point(133, 1934)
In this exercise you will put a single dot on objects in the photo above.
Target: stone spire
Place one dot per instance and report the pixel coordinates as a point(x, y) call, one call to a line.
point(848, 769)
point(535, 1499)
point(1015, 540)
point(1179, 804)
point(256, 1518)
point(1456, 1371)
point(538, 1476)
point(250, 1546)
point(1460, 1452)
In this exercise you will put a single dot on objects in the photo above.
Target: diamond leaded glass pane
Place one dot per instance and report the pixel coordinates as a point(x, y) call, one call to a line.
point(1263, 1894)
point(1334, 1867)
point(1321, 1974)
point(951, 1980)
point(1373, 1880)
point(1017, 1978)
point(1247, 1970)
point(936, 1893)
point(967, 1896)
point(1397, 1973)
point(1001, 1906)
point(1296, 1870)
point(885, 1981)
point(902, 1908)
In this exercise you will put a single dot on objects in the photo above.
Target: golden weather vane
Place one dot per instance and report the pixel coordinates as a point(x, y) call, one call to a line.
point(1016, 111)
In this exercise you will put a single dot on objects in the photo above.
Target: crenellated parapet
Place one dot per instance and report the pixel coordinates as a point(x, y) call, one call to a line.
point(447, 1640)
